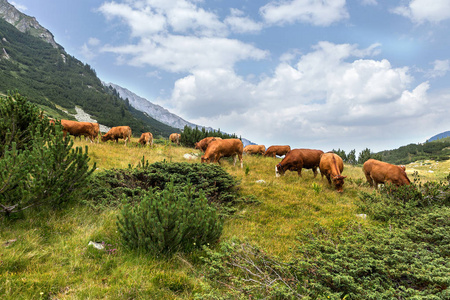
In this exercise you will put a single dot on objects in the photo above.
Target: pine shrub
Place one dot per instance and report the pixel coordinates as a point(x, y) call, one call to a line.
point(107, 187)
point(168, 221)
point(38, 167)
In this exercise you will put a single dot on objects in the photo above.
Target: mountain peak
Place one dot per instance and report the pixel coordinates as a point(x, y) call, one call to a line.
point(25, 23)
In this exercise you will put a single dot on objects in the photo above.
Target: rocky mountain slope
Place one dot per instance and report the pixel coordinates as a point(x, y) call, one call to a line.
point(155, 111)
point(25, 23)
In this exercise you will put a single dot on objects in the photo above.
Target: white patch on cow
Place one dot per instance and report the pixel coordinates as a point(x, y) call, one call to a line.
point(190, 156)
point(276, 172)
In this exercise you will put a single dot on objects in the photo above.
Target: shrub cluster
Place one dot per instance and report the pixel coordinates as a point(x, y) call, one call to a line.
point(169, 220)
point(398, 204)
point(107, 186)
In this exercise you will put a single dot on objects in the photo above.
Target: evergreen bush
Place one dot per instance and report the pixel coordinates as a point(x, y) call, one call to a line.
point(38, 166)
point(107, 186)
point(168, 221)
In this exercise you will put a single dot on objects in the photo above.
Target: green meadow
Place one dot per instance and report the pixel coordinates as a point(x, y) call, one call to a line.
point(45, 254)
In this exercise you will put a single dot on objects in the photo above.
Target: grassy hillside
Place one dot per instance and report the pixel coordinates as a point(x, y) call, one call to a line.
point(46, 255)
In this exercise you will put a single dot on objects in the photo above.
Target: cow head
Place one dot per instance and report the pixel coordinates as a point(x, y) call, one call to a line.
point(205, 159)
point(338, 181)
point(279, 170)
point(105, 138)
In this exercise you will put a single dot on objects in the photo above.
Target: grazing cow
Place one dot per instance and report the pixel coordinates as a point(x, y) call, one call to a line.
point(96, 130)
point(255, 149)
point(277, 150)
point(116, 133)
point(223, 148)
point(203, 144)
point(76, 128)
point(146, 139)
point(331, 165)
point(175, 138)
point(296, 159)
point(381, 172)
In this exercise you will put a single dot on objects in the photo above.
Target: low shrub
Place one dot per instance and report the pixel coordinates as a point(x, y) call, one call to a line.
point(398, 204)
point(404, 258)
point(107, 187)
point(169, 221)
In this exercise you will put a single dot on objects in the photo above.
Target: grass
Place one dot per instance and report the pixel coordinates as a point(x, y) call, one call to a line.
point(48, 256)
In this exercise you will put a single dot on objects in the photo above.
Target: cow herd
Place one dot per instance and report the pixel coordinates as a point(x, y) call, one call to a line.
point(91, 131)
point(330, 164)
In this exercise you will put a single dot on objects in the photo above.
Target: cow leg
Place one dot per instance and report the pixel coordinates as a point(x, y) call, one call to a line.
point(315, 171)
point(369, 180)
point(329, 179)
point(234, 160)
point(241, 160)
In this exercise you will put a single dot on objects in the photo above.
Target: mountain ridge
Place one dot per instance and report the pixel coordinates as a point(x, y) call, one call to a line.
point(155, 111)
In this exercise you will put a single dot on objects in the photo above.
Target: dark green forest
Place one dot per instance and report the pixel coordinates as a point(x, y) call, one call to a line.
point(437, 150)
point(53, 79)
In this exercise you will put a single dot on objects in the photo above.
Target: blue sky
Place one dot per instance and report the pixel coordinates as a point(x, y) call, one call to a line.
point(310, 74)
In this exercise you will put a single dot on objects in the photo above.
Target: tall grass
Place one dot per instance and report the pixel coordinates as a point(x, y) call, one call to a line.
point(48, 257)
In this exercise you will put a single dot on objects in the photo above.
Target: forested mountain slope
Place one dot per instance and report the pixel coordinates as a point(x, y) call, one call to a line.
point(58, 82)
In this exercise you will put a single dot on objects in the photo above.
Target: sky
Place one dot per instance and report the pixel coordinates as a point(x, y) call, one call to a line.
point(328, 74)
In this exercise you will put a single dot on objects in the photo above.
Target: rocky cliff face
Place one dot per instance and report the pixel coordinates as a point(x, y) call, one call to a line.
point(155, 111)
point(25, 23)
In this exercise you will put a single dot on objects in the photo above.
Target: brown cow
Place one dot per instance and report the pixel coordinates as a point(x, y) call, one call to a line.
point(203, 144)
point(175, 138)
point(146, 139)
point(277, 150)
point(296, 159)
point(96, 130)
point(381, 172)
point(116, 133)
point(255, 149)
point(223, 148)
point(331, 165)
point(76, 128)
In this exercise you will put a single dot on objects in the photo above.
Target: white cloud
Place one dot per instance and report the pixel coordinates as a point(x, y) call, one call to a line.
point(19, 6)
point(333, 93)
point(420, 11)
point(319, 13)
point(440, 68)
point(155, 17)
point(176, 53)
point(93, 41)
point(369, 2)
point(176, 36)
point(142, 21)
point(241, 24)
